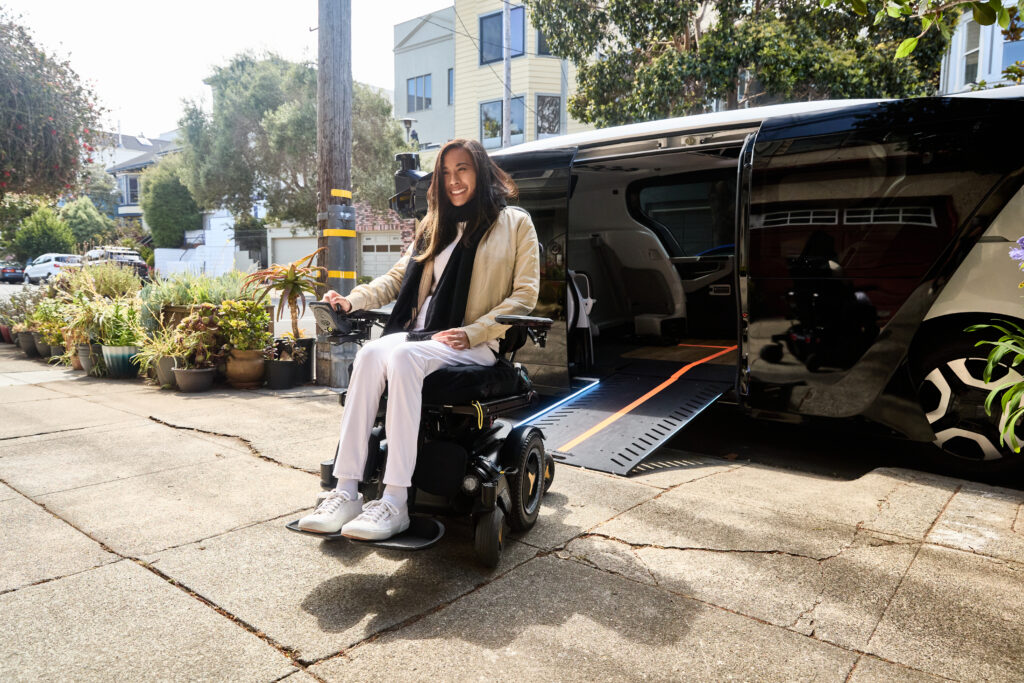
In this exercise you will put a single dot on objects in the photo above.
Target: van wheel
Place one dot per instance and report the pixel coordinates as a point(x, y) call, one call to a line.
point(952, 394)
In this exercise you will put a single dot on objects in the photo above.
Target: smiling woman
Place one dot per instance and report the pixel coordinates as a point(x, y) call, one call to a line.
point(472, 260)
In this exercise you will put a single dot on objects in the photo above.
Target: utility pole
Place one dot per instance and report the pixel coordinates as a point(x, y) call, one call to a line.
point(335, 216)
point(506, 102)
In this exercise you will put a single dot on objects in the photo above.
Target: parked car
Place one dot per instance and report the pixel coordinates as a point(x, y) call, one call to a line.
point(11, 272)
point(122, 256)
point(44, 267)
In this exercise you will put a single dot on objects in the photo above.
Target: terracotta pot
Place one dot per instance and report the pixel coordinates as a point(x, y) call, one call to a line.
point(5, 332)
point(245, 369)
point(191, 381)
point(119, 361)
point(76, 361)
point(42, 348)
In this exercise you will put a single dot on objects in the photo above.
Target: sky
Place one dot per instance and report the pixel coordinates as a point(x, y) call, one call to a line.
point(143, 58)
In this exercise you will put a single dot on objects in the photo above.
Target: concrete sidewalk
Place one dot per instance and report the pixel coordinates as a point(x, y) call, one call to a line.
point(142, 537)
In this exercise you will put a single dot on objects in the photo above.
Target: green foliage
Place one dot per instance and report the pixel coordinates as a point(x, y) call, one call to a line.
point(942, 15)
point(291, 282)
point(260, 141)
point(47, 117)
point(14, 209)
point(119, 322)
point(244, 325)
point(186, 289)
point(157, 345)
point(1007, 351)
point(48, 319)
point(196, 338)
point(100, 187)
point(87, 224)
point(661, 59)
point(167, 205)
point(41, 233)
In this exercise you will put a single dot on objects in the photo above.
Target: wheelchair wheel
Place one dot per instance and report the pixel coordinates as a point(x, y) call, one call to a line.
point(489, 538)
point(527, 485)
point(549, 471)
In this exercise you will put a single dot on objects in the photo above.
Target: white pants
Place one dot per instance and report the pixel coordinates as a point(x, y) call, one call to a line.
point(403, 365)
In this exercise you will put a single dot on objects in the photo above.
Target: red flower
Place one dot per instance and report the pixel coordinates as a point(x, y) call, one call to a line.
point(3, 184)
point(85, 130)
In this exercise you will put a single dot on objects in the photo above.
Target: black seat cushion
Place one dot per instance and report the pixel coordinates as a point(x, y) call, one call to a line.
point(461, 384)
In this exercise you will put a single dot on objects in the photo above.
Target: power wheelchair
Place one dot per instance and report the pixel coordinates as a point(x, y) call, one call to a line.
point(470, 461)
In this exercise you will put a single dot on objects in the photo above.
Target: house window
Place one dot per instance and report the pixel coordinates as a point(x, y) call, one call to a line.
point(129, 189)
point(549, 115)
point(451, 87)
point(418, 95)
point(492, 37)
point(490, 123)
point(972, 51)
point(542, 44)
point(1013, 51)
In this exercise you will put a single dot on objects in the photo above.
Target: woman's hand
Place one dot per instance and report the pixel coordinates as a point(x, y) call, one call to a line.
point(455, 338)
point(337, 300)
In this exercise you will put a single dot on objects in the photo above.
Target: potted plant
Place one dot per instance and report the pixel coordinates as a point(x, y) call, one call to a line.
point(243, 325)
point(48, 319)
point(157, 352)
point(120, 336)
point(83, 330)
point(195, 347)
point(26, 342)
point(284, 358)
point(291, 283)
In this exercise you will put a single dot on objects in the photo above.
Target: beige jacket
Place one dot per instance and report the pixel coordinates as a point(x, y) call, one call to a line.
point(506, 278)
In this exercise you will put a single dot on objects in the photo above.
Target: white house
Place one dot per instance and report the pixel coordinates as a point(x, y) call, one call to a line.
point(425, 76)
point(977, 53)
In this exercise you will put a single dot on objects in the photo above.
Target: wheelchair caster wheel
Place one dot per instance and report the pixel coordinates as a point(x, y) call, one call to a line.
point(489, 538)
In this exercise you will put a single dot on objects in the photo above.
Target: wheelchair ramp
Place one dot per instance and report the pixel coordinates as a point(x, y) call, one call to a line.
point(615, 423)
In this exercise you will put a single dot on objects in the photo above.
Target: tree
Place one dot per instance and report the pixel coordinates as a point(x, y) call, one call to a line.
point(14, 209)
point(47, 117)
point(647, 59)
point(101, 188)
point(87, 224)
point(41, 233)
point(259, 141)
point(942, 14)
point(167, 205)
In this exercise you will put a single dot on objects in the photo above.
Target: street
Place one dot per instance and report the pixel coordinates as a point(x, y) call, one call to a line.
point(142, 536)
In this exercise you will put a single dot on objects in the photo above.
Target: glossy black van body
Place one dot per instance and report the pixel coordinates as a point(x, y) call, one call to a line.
point(825, 239)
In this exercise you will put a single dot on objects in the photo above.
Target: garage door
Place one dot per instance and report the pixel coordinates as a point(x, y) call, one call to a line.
point(288, 249)
point(378, 251)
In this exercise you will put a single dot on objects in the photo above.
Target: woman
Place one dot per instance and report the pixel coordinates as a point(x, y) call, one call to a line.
point(473, 258)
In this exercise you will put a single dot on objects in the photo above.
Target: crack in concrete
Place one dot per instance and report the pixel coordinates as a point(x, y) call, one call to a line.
point(1016, 518)
point(910, 564)
point(284, 650)
point(745, 551)
point(55, 431)
point(853, 667)
point(248, 444)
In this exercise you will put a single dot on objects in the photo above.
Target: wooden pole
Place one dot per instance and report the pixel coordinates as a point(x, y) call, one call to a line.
point(333, 124)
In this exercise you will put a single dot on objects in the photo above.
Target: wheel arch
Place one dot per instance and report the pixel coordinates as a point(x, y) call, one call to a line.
point(934, 332)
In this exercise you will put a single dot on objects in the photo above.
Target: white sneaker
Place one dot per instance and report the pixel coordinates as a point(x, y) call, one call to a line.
point(379, 520)
point(332, 514)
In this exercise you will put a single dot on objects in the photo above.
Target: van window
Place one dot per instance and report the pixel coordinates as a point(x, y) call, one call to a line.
point(695, 215)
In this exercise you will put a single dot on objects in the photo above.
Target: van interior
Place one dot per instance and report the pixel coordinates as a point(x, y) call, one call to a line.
point(651, 263)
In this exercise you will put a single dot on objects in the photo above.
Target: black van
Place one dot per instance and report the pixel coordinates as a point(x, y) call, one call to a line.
point(808, 260)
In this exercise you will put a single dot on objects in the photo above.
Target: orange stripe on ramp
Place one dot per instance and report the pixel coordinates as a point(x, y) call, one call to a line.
point(640, 401)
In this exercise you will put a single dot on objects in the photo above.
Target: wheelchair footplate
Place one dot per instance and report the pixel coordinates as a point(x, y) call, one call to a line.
point(423, 532)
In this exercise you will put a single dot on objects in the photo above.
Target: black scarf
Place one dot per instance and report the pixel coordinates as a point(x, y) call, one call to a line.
point(448, 302)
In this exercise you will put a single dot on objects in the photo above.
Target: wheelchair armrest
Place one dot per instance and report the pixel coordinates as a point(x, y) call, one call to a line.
point(372, 314)
point(525, 321)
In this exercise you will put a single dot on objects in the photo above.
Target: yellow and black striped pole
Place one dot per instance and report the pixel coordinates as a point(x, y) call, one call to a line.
point(340, 233)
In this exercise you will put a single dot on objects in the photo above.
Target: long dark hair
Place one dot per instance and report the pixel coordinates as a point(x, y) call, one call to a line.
point(493, 188)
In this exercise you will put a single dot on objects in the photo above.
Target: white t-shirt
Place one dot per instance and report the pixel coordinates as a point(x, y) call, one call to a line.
point(440, 263)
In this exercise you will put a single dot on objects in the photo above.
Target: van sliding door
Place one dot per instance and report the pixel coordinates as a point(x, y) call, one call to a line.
point(544, 182)
point(856, 217)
